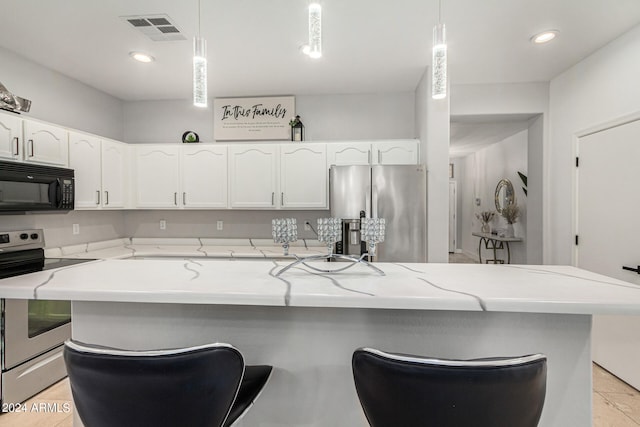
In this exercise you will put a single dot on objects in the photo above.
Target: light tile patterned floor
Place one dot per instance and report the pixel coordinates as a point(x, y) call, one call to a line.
point(615, 404)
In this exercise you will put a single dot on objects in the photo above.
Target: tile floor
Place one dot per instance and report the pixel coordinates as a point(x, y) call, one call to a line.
point(615, 404)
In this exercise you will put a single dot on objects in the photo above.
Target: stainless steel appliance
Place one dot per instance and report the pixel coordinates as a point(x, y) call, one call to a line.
point(33, 331)
point(397, 193)
point(26, 188)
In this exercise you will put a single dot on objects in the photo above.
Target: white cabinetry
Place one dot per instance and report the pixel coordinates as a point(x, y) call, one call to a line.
point(115, 156)
point(100, 171)
point(396, 152)
point(203, 176)
point(303, 176)
point(44, 143)
point(10, 133)
point(156, 172)
point(253, 176)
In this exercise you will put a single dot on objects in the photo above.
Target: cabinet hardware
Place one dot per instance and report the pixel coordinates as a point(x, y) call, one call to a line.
point(273, 198)
point(379, 157)
point(17, 141)
point(636, 270)
point(369, 156)
point(32, 148)
point(106, 197)
point(98, 194)
point(281, 199)
point(175, 198)
point(184, 198)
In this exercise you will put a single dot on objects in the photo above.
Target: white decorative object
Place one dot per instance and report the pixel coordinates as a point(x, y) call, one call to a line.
point(263, 118)
point(439, 59)
point(315, 31)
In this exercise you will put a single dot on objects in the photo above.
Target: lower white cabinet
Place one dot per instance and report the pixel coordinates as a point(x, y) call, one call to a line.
point(303, 176)
point(253, 176)
point(203, 176)
point(156, 176)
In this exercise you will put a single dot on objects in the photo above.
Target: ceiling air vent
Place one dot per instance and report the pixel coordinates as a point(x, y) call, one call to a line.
point(158, 28)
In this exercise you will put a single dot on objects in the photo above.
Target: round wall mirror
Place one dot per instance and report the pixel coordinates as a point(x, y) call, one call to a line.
point(504, 194)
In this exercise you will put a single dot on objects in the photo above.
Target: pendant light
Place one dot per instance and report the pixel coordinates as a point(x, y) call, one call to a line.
point(199, 68)
point(439, 59)
point(315, 30)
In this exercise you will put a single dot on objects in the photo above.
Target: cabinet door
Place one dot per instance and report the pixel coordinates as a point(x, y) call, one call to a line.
point(204, 176)
point(253, 172)
point(303, 176)
point(114, 174)
point(10, 148)
point(348, 153)
point(84, 158)
point(395, 152)
point(45, 144)
point(156, 169)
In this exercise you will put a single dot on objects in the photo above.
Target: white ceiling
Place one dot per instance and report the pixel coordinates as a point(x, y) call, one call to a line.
point(372, 46)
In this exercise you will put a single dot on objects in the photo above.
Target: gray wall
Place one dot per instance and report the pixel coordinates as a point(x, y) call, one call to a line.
point(326, 117)
point(59, 99)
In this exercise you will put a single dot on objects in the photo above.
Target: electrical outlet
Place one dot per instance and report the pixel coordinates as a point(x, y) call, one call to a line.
point(163, 224)
point(76, 228)
point(220, 225)
point(307, 226)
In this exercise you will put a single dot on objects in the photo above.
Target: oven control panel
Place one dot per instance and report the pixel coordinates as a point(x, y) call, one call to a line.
point(21, 240)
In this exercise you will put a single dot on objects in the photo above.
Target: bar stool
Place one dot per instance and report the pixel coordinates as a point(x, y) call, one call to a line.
point(408, 391)
point(205, 385)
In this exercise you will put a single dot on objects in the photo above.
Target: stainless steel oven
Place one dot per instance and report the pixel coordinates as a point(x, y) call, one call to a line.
point(33, 331)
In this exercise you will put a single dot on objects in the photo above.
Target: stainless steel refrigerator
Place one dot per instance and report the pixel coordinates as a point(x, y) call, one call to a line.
point(397, 193)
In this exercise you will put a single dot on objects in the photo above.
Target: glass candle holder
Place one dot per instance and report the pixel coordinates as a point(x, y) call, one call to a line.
point(372, 231)
point(329, 231)
point(284, 231)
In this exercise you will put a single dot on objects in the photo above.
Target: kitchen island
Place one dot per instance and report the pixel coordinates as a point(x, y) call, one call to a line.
point(307, 325)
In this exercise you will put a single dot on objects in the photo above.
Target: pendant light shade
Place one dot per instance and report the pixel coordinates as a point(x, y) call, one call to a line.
point(315, 30)
point(199, 72)
point(439, 59)
point(199, 68)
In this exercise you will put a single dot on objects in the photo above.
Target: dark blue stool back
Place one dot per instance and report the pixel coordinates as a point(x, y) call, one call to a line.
point(186, 387)
point(413, 391)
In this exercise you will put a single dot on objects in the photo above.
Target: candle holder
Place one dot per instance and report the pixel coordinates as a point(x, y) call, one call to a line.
point(330, 232)
point(284, 231)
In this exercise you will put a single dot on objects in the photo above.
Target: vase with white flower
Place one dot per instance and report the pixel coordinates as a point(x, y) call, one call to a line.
point(485, 218)
point(510, 213)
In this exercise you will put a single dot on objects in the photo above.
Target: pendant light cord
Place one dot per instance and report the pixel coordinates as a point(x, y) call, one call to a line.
point(199, 18)
point(439, 11)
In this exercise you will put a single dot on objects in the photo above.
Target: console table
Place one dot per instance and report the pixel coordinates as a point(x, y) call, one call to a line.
point(494, 242)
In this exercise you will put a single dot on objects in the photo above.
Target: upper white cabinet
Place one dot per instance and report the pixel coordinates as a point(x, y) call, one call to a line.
point(100, 171)
point(303, 176)
point(44, 143)
point(348, 153)
point(203, 176)
point(10, 134)
point(396, 152)
point(253, 176)
point(85, 158)
point(115, 160)
point(156, 173)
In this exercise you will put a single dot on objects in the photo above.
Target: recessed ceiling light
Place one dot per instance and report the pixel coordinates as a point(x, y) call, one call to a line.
point(544, 37)
point(142, 57)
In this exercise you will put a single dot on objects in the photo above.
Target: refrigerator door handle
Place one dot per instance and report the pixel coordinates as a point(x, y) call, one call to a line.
point(367, 201)
point(374, 202)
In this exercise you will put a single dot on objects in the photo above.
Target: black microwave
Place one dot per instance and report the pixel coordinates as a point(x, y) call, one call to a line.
point(30, 188)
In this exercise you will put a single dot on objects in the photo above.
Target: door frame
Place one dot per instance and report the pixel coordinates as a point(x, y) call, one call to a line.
point(575, 147)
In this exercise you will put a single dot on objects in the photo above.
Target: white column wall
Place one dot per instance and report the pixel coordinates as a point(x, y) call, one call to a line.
point(601, 88)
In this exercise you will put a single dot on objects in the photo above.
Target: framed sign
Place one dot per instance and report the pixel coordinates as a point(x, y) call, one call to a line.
point(263, 118)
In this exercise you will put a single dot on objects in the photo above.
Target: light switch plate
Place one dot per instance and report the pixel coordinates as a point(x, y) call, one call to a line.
point(76, 228)
point(220, 225)
point(163, 224)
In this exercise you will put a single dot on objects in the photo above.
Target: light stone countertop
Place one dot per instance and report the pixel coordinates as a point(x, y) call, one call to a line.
point(464, 287)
